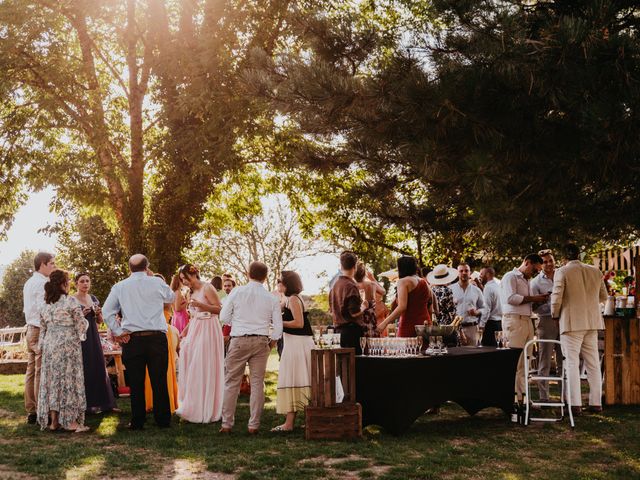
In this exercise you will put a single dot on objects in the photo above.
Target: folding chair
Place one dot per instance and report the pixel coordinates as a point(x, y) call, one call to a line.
point(532, 378)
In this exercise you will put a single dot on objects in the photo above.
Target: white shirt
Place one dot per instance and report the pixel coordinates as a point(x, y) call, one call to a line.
point(492, 307)
point(33, 298)
point(140, 299)
point(514, 288)
point(251, 310)
point(466, 300)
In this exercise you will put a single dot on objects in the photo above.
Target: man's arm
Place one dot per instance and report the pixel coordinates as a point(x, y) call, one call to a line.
point(227, 309)
point(557, 293)
point(276, 320)
point(603, 295)
point(168, 296)
point(109, 310)
point(489, 295)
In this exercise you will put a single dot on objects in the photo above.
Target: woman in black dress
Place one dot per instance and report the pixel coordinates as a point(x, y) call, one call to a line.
point(96, 380)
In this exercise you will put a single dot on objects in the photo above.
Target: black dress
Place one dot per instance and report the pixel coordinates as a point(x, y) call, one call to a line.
point(96, 380)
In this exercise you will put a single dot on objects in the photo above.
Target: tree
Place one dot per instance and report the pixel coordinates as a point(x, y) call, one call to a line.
point(11, 298)
point(516, 121)
point(86, 244)
point(271, 236)
point(130, 109)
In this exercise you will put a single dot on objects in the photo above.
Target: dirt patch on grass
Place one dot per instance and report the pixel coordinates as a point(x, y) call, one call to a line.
point(188, 469)
point(7, 473)
point(347, 468)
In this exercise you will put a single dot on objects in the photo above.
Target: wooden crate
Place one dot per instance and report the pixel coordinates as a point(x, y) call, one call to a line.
point(326, 364)
point(622, 361)
point(324, 418)
point(339, 422)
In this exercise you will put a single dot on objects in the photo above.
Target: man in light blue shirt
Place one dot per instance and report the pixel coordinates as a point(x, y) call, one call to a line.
point(140, 301)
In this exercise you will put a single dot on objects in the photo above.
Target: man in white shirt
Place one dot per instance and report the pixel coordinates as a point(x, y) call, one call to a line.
point(516, 309)
point(547, 328)
point(491, 319)
point(469, 303)
point(33, 301)
point(578, 290)
point(250, 310)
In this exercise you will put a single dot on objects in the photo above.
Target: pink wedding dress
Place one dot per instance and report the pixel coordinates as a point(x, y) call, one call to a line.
point(201, 368)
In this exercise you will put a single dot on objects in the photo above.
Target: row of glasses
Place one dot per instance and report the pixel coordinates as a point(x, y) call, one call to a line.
point(325, 340)
point(391, 347)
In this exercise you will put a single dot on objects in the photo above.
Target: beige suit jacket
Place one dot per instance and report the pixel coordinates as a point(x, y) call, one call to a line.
point(577, 292)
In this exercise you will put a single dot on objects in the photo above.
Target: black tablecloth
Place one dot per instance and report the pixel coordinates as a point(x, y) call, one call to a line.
point(394, 392)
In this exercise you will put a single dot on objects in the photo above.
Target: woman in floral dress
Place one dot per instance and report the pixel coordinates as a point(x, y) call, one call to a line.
point(63, 328)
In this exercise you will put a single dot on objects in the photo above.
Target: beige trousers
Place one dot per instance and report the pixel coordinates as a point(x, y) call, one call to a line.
point(32, 377)
point(585, 341)
point(548, 329)
point(242, 351)
point(519, 330)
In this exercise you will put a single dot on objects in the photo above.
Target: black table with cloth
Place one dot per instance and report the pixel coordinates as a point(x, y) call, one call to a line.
point(394, 392)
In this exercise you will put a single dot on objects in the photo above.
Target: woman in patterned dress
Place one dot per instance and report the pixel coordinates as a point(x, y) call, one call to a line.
point(440, 278)
point(63, 328)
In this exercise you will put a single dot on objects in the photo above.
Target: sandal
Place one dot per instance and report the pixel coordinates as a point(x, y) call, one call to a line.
point(281, 429)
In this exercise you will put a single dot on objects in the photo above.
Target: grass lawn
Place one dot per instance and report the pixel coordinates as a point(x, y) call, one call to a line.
point(451, 445)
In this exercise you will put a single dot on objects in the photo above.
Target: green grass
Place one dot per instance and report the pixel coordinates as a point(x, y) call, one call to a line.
point(451, 445)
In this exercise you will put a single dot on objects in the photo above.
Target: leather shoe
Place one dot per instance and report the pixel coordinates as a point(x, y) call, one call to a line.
point(226, 430)
point(252, 431)
point(576, 411)
point(32, 418)
point(594, 409)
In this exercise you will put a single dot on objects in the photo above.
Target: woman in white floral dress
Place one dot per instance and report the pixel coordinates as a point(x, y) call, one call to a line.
point(63, 326)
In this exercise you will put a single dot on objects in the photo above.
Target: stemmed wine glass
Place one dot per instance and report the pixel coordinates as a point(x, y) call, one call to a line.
point(363, 344)
point(439, 345)
point(499, 339)
point(419, 342)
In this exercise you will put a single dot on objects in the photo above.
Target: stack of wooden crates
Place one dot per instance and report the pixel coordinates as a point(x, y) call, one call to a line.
point(324, 418)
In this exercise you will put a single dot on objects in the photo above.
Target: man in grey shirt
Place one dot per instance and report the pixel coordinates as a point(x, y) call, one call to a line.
point(142, 333)
point(548, 328)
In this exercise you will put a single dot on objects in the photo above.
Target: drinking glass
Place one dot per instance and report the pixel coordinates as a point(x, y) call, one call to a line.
point(499, 339)
point(327, 338)
point(336, 340)
point(316, 336)
point(419, 341)
point(363, 344)
point(432, 346)
point(439, 345)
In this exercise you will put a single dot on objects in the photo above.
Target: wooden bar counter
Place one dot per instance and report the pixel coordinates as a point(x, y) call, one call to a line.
point(622, 360)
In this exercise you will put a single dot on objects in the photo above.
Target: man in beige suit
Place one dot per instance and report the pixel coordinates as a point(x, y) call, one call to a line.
point(578, 290)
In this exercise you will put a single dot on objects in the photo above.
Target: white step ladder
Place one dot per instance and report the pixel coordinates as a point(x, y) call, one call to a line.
point(530, 376)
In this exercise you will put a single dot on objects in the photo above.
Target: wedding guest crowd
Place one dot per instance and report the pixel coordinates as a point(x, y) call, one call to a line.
point(173, 337)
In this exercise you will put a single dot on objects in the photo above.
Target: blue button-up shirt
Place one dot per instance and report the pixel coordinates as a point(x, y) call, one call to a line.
point(140, 300)
point(539, 286)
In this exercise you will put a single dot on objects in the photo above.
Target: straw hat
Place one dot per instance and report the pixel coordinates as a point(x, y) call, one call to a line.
point(442, 275)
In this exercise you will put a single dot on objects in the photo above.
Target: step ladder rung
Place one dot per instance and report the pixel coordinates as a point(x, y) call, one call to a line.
point(532, 419)
point(535, 377)
point(548, 404)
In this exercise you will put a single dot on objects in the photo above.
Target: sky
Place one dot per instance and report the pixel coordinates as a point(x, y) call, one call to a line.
point(35, 215)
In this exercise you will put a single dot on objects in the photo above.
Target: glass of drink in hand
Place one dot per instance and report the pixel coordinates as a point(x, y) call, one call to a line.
point(363, 345)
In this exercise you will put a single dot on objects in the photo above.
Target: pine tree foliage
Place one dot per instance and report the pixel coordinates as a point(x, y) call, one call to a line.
point(513, 123)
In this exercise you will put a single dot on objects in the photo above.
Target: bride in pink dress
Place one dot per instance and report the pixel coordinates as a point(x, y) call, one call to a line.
point(201, 362)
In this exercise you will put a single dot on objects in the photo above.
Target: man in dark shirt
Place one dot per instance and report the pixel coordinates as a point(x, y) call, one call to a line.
point(346, 305)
